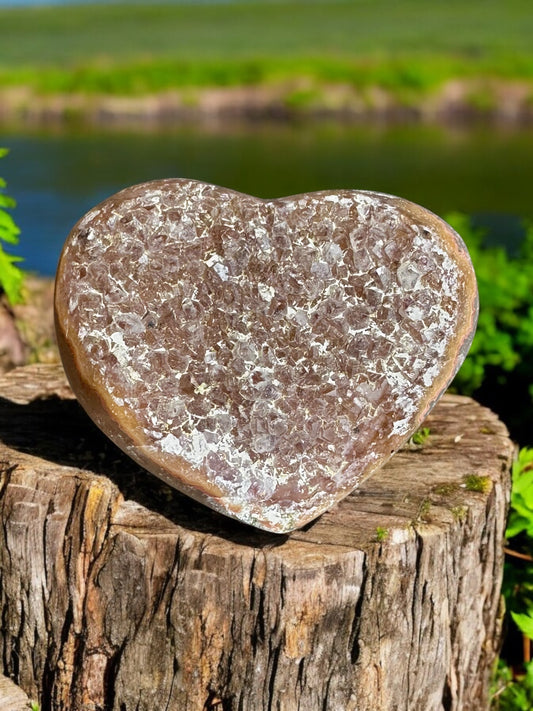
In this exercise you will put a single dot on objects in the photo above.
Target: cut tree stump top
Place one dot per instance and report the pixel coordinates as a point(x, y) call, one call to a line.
point(422, 484)
point(120, 593)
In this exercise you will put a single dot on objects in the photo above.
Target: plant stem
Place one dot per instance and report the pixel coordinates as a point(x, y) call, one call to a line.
point(516, 554)
point(526, 644)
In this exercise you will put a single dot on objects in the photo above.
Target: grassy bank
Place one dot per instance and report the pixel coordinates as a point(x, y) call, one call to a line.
point(133, 49)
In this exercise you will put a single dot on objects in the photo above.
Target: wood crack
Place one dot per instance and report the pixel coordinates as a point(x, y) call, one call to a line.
point(354, 639)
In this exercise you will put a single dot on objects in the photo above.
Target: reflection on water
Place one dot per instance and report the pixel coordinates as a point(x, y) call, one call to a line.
point(56, 177)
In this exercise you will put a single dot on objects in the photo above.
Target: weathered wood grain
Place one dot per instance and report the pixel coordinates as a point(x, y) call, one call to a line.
point(118, 593)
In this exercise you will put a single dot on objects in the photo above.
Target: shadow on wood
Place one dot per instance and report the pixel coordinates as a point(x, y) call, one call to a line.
point(118, 593)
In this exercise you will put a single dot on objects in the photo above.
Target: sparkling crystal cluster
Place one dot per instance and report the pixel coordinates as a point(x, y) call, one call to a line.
point(262, 356)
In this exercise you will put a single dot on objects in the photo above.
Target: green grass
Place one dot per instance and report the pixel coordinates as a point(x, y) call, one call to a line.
point(134, 48)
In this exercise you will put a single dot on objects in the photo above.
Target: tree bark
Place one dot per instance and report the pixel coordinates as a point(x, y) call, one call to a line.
point(119, 594)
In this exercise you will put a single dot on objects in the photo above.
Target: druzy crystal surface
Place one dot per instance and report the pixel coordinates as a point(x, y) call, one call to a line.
point(263, 357)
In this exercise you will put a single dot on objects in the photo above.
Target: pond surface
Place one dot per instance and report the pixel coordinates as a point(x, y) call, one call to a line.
point(57, 176)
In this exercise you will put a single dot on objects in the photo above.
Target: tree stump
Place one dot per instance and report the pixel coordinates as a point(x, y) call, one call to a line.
point(118, 593)
point(12, 698)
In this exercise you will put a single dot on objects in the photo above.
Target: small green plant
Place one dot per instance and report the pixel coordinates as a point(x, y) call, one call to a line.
point(420, 437)
point(521, 513)
point(500, 360)
point(34, 706)
point(510, 693)
point(518, 582)
point(513, 685)
point(11, 277)
point(381, 534)
point(505, 296)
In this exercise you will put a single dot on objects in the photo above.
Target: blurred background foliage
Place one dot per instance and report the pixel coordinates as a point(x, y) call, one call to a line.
point(132, 48)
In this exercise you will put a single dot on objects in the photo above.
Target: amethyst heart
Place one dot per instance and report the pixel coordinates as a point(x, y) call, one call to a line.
point(262, 356)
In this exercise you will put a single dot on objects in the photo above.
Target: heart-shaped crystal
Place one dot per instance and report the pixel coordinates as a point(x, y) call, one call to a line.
point(262, 356)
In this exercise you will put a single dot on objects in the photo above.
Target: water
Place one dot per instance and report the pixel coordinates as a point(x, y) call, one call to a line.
point(57, 176)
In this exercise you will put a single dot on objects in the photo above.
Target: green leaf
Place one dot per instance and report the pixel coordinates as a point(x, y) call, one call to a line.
point(523, 461)
point(524, 623)
point(11, 277)
point(523, 488)
point(508, 692)
point(9, 231)
point(6, 201)
point(521, 510)
point(518, 524)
